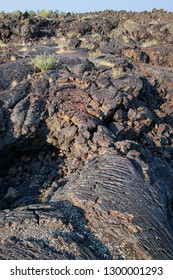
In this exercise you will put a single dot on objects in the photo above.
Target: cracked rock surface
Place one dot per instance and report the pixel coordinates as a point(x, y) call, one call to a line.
point(86, 148)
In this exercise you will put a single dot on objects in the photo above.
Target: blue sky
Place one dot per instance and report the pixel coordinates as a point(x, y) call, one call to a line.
point(85, 5)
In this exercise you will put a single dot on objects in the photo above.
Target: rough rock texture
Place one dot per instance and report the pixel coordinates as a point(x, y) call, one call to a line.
point(86, 149)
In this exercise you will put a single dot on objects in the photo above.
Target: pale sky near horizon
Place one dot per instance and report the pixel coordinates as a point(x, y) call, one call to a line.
point(85, 5)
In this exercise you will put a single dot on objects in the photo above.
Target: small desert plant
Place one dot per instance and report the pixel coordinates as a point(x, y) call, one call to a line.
point(14, 83)
point(150, 43)
point(78, 35)
point(93, 55)
point(44, 13)
point(106, 63)
point(2, 44)
point(85, 17)
point(25, 22)
point(15, 13)
point(126, 39)
point(42, 198)
point(129, 23)
point(31, 13)
point(96, 37)
point(2, 15)
point(117, 73)
point(61, 44)
point(154, 22)
point(70, 34)
point(44, 62)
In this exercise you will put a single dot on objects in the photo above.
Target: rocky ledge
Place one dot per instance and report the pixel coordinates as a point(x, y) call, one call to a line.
point(86, 147)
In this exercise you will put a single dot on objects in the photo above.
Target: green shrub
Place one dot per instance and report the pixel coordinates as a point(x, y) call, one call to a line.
point(15, 13)
point(93, 55)
point(31, 13)
point(44, 13)
point(44, 62)
point(2, 15)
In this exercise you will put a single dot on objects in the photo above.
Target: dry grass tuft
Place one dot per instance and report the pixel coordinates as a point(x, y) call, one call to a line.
point(150, 43)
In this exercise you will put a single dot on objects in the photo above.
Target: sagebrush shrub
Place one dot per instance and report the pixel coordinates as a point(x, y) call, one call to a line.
point(44, 62)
